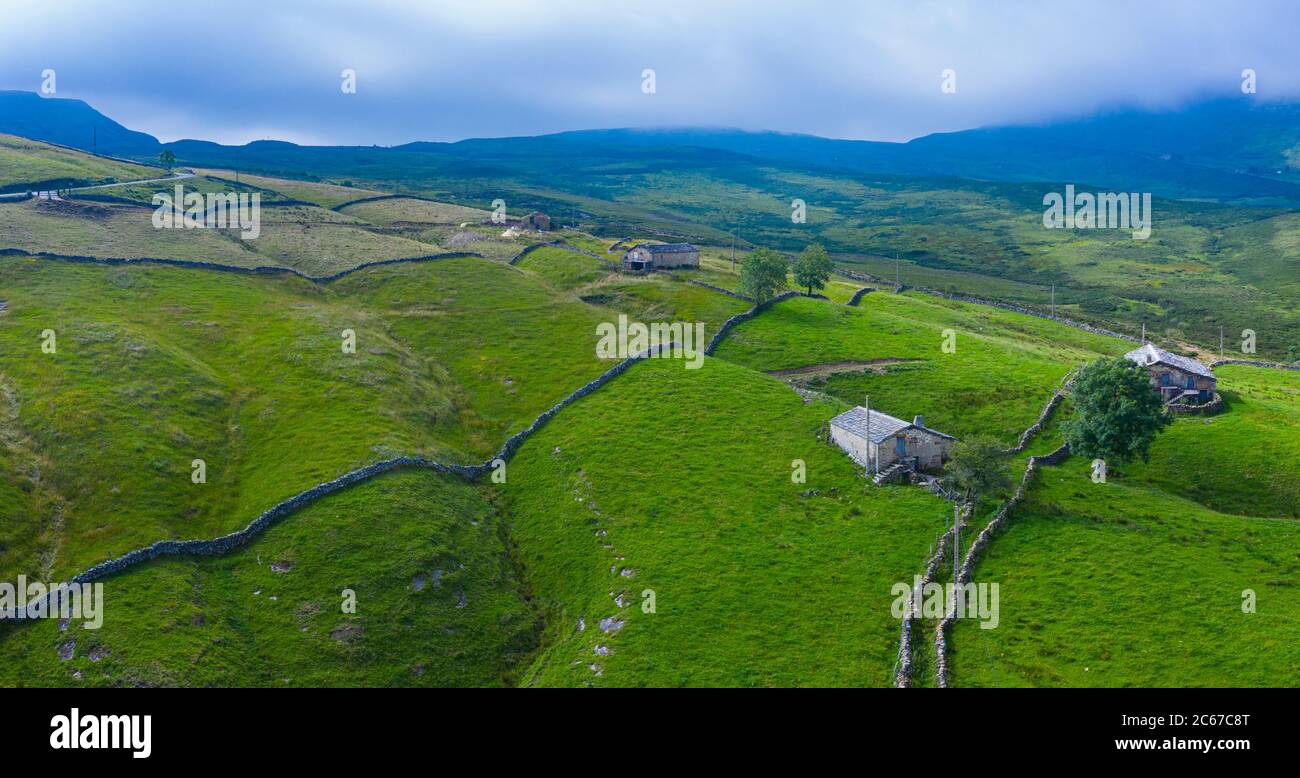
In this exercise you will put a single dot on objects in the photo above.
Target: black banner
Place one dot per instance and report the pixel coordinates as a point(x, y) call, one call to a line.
point(330, 727)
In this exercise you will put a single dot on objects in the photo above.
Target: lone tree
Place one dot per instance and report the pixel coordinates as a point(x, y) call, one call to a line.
point(167, 158)
point(813, 267)
point(976, 467)
point(1116, 415)
point(762, 274)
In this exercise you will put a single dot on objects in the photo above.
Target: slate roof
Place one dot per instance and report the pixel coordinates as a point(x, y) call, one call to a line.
point(1151, 353)
point(883, 426)
point(670, 248)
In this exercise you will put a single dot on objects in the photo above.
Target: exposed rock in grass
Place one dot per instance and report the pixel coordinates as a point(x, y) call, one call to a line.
point(346, 633)
point(67, 649)
point(99, 653)
point(611, 625)
point(602, 650)
point(281, 567)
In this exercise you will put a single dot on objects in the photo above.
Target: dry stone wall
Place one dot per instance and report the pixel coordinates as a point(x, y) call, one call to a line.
point(981, 542)
point(225, 543)
point(1255, 363)
point(744, 317)
point(720, 290)
point(858, 295)
point(259, 270)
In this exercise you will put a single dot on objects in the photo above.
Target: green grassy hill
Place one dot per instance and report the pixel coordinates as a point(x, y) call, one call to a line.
point(665, 482)
point(1004, 367)
point(1119, 584)
point(29, 165)
point(678, 481)
point(438, 603)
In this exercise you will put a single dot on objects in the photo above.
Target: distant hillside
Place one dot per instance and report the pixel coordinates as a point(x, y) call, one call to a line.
point(70, 123)
point(1227, 150)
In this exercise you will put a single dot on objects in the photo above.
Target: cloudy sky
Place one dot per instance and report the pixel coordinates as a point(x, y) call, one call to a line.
point(241, 70)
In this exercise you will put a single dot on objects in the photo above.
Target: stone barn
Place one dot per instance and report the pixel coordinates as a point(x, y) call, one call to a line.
point(536, 221)
point(645, 257)
point(877, 440)
point(1178, 380)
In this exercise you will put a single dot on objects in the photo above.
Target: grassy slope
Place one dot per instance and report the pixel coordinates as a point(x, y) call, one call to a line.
point(311, 240)
point(506, 338)
point(655, 298)
point(1245, 460)
point(236, 621)
point(1119, 584)
point(143, 193)
point(1004, 368)
point(387, 213)
point(754, 584)
point(320, 242)
point(24, 161)
point(92, 229)
point(159, 366)
point(323, 194)
point(564, 269)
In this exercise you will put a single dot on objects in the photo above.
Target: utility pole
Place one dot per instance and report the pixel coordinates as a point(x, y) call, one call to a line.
point(1053, 300)
point(956, 560)
point(1220, 340)
point(1144, 333)
point(896, 275)
point(733, 251)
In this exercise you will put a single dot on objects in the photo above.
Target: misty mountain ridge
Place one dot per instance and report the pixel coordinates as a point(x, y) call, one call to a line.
point(1231, 150)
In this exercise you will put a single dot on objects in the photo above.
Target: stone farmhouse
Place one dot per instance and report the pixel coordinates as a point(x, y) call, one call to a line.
point(877, 441)
point(1179, 380)
point(644, 257)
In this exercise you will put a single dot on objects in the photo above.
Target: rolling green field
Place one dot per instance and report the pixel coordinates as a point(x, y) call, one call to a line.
point(143, 193)
point(564, 269)
point(1244, 461)
point(666, 485)
point(1004, 366)
point(326, 195)
point(96, 229)
point(313, 241)
point(754, 584)
point(438, 603)
point(26, 164)
point(1119, 584)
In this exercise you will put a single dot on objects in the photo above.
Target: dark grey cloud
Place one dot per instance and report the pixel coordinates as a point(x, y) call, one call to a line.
point(242, 70)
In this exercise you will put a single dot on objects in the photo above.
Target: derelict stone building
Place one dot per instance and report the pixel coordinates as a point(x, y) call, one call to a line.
point(645, 257)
